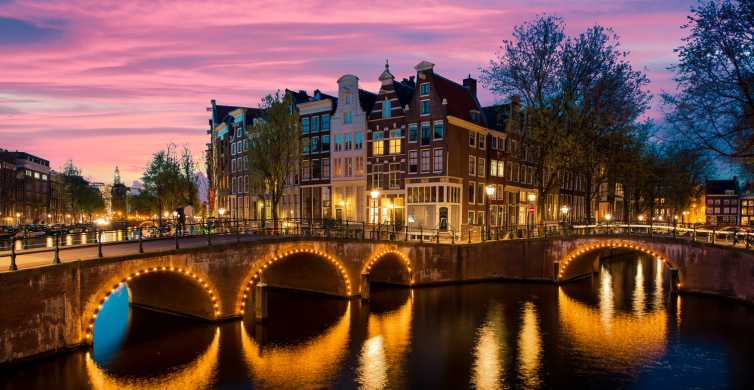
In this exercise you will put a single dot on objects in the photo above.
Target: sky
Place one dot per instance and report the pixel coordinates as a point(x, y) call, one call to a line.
point(109, 83)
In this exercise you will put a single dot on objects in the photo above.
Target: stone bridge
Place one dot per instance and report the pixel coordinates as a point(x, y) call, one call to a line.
point(53, 308)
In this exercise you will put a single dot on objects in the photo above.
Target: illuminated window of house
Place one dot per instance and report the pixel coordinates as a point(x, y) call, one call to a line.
point(395, 141)
point(378, 144)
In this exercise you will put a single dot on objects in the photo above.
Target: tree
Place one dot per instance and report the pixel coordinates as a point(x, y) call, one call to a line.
point(531, 67)
point(274, 149)
point(84, 199)
point(713, 104)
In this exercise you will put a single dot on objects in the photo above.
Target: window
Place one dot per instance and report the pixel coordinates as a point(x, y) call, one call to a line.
point(305, 125)
point(472, 166)
point(413, 161)
point(315, 145)
point(386, 107)
point(359, 166)
point(348, 171)
point(233, 149)
point(393, 175)
point(470, 217)
point(337, 167)
point(480, 167)
point(325, 143)
point(493, 143)
point(348, 98)
point(425, 107)
point(395, 142)
point(426, 160)
point(412, 132)
point(305, 144)
point(325, 168)
point(480, 193)
point(472, 139)
point(493, 167)
point(338, 142)
point(325, 122)
point(378, 145)
point(375, 177)
point(470, 191)
point(348, 142)
point(439, 130)
point(482, 139)
point(315, 169)
point(315, 124)
point(305, 169)
point(438, 162)
point(347, 117)
point(424, 89)
point(425, 133)
point(358, 138)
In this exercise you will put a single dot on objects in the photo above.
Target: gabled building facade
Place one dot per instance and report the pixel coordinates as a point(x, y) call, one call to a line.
point(348, 150)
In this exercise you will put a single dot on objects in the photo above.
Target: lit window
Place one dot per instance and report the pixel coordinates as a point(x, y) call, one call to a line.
point(378, 145)
point(395, 142)
point(472, 166)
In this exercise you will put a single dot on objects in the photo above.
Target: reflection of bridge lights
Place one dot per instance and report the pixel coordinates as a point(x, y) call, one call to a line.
point(258, 273)
point(185, 272)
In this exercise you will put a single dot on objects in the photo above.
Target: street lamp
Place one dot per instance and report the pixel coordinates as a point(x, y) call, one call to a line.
point(641, 218)
point(490, 190)
point(221, 211)
point(532, 197)
point(564, 209)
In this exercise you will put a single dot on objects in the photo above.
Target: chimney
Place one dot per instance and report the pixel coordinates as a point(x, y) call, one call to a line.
point(470, 84)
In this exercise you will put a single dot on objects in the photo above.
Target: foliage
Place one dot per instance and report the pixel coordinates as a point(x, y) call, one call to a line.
point(84, 199)
point(274, 149)
point(713, 105)
point(168, 182)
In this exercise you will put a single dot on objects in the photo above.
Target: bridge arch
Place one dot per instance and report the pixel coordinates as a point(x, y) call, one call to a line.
point(96, 304)
point(258, 270)
point(389, 266)
point(590, 247)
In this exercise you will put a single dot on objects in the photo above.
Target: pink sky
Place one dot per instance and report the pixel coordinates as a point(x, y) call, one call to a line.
point(110, 84)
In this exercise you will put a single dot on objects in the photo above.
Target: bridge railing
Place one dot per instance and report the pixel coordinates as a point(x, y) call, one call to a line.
point(223, 230)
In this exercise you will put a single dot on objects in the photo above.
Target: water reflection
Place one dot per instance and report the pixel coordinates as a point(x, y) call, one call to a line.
point(111, 326)
point(490, 351)
point(529, 347)
point(383, 353)
point(195, 375)
point(310, 363)
point(628, 339)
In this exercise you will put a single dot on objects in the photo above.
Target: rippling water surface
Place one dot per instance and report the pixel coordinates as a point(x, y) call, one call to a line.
point(619, 329)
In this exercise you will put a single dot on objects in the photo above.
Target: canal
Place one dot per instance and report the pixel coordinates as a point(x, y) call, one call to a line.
point(619, 329)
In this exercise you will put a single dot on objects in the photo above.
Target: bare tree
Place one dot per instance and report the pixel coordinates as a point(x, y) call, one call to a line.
point(713, 104)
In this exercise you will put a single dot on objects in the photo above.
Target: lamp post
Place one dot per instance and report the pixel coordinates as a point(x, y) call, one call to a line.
point(18, 219)
point(608, 217)
point(564, 209)
point(221, 212)
point(532, 198)
point(490, 190)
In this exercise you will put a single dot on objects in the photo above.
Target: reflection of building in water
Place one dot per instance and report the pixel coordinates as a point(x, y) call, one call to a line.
point(195, 375)
point(529, 347)
point(384, 351)
point(309, 364)
point(490, 352)
point(659, 288)
point(604, 334)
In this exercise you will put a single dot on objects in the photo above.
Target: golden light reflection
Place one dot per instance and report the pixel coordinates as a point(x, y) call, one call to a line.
point(659, 288)
point(530, 347)
point(309, 364)
point(195, 375)
point(606, 299)
point(489, 352)
point(384, 351)
point(639, 296)
point(628, 339)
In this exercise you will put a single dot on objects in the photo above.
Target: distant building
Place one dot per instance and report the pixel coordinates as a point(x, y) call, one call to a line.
point(118, 197)
point(722, 201)
point(31, 187)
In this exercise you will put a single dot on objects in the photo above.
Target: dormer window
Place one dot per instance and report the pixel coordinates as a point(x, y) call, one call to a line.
point(424, 89)
point(348, 98)
point(475, 116)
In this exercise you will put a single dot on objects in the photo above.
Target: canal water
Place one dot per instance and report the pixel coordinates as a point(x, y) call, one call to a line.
point(619, 329)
